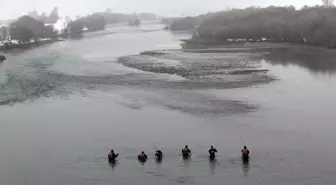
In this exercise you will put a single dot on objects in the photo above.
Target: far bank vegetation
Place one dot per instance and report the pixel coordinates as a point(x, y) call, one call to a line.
point(309, 25)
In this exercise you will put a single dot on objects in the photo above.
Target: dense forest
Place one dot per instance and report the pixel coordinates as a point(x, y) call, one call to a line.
point(92, 22)
point(309, 25)
point(26, 28)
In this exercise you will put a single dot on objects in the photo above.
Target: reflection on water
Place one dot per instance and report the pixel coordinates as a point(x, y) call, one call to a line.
point(316, 60)
point(246, 166)
point(158, 160)
point(142, 162)
point(212, 166)
point(186, 161)
point(113, 164)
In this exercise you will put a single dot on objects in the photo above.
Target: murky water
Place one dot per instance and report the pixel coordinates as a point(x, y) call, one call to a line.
point(65, 105)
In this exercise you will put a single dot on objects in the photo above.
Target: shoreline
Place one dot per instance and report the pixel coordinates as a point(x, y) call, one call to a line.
point(192, 44)
point(10, 47)
point(314, 58)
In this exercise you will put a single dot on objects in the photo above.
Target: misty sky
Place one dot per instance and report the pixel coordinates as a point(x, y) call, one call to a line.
point(15, 8)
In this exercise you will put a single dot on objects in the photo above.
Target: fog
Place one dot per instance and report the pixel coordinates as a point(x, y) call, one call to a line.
point(160, 7)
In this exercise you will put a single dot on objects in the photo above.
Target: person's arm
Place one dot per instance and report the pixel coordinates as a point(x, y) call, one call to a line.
point(117, 155)
point(189, 151)
point(216, 150)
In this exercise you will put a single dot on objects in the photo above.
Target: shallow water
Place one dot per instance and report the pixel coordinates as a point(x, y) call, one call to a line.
point(65, 105)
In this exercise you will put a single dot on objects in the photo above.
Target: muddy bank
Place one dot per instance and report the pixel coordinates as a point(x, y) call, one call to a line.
point(204, 68)
point(230, 66)
point(316, 59)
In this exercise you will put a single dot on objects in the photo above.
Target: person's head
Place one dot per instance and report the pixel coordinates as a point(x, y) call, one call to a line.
point(212, 147)
point(142, 152)
point(112, 151)
point(186, 146)
point(245, 147)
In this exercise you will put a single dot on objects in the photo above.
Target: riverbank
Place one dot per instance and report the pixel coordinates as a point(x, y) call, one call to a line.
point(314, 58)
point(8, 46)
point(204, 44)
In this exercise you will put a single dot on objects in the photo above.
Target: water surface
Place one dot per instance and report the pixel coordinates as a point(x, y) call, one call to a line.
point(65, 105)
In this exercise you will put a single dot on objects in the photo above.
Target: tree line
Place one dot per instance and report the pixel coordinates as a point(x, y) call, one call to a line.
point(92, 22)
point(98, 21)
point(33, 27)
point(26, 29)
point(309, 25)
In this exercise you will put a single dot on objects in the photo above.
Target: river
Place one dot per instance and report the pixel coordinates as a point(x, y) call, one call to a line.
point(65, 105)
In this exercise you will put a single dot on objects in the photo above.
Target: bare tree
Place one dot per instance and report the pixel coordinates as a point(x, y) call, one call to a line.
point(328, 3)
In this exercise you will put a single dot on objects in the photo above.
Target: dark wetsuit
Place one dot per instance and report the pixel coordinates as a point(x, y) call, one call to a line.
point(142, 157)
point(158, 154)
point(212, 152)
point(245, 154)
point(186, 152)
point(112, 156)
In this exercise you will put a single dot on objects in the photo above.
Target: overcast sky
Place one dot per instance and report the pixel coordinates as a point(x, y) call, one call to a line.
point(15, 8)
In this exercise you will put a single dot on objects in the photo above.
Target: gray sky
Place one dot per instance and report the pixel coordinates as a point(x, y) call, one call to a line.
point(15, 8)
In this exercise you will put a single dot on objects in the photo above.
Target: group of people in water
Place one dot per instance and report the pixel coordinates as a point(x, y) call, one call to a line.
point(186, 152)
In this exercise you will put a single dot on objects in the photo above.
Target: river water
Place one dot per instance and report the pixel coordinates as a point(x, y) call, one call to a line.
point(65, 105)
